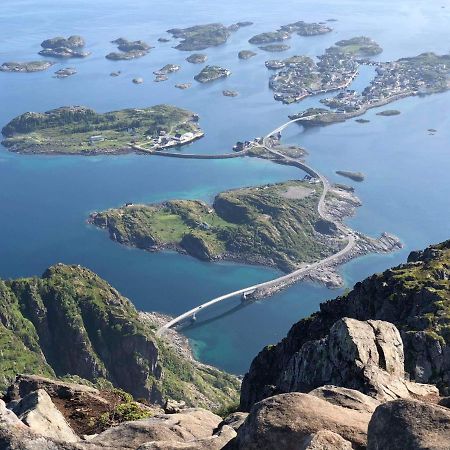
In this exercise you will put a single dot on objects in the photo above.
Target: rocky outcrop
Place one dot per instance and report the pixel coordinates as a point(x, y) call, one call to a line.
point(186, 426)
point(193, 429)
point(60, 47)
point(288, 421)
point(346, 398)
point(409, 425)
point(38, 412)
point(32, 66)
point(71, 322)
point(415, 297)
point(8, 419)
point(366, 356)
point(71, 42)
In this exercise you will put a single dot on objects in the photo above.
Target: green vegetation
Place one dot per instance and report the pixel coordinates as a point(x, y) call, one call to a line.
point(126, 410)
point(269, 37)
point(200, 37)
point(272, 224)
point(275, 47)
point(359, 46)
point(73, 325)
point(80, 130)
point(211, 73)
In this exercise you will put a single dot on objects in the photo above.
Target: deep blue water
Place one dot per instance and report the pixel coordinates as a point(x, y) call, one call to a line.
point(44, 200)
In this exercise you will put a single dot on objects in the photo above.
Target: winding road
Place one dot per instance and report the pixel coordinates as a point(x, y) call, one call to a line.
point(268, 286)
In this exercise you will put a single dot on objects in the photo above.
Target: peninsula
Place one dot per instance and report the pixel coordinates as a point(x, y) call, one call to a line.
point(78, 130)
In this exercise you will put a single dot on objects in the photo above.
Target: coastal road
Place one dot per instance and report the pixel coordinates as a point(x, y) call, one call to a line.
point(268, 286)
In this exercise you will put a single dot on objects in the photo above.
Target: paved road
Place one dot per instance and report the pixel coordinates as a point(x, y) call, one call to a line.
point(296, 274)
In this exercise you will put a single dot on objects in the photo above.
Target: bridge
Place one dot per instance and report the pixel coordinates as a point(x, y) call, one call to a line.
point(189, 155)
point(268, 287)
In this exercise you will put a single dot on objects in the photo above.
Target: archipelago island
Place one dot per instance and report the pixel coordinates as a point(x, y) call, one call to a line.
point(78, 130)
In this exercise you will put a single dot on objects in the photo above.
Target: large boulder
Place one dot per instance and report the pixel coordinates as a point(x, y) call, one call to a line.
point(409, 425)
point(38, 412)
point(216, 442)
point(363, 355)
point(347, 398)
point(284, 421)
point(8, 419)
point(324, 440)
point(235, 420)
point(188, 425)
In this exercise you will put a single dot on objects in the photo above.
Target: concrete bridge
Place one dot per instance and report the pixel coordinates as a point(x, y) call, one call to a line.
point(189, 155)
point(268, 287)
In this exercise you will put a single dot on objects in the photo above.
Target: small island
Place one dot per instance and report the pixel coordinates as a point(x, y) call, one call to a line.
point(200, 37)
point(26, 67)
point(269, 37)
point(60, 47)
point(197, 58)
point(212, 73)
point(129, 49)
point(389, 112)
point(246, 54)
point(65, 73)
point(355, 176)
point(77, 130)
point(229, 93)
point(168, 68)
point(275, 48)
point(183, 86)
point(275, 225)
point(307, 29)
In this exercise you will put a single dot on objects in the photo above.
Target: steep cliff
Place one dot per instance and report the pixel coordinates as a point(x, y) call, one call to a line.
point(71, 322)
point(414, 296)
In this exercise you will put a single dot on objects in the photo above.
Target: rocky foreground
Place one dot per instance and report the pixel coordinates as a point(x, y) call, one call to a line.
point(345, 378)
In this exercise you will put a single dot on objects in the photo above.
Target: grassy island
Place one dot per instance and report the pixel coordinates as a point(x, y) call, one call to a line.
point(359, 46)
point(200, 37)
point(212, 73)
point(82, 131)
point(274, 225)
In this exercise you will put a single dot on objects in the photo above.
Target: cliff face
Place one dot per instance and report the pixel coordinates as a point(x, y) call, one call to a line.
point(71, 322)
point(414, 296)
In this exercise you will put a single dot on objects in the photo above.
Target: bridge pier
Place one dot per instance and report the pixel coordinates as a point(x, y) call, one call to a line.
point(247, 296)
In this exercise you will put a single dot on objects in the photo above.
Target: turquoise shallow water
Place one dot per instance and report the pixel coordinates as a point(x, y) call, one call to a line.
point(44, 201)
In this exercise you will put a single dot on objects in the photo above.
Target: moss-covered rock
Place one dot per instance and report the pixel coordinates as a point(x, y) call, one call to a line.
point(70, 322)
point(415, 297)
